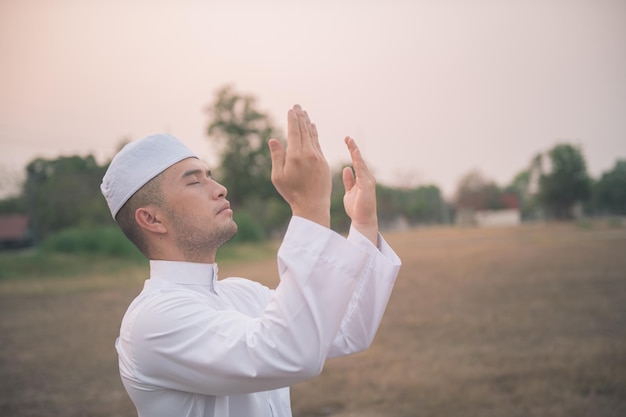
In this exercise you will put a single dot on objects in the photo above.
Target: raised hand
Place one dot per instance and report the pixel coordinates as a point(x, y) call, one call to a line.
point(301, 173)
point(359, 199)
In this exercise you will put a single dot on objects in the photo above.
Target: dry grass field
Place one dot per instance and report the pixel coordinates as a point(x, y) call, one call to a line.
point(527, 321)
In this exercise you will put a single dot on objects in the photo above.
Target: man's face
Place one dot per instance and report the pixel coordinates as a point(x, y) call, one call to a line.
point(196, 208)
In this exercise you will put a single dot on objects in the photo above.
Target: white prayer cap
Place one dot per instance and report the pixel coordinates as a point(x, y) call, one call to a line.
point(137, 163)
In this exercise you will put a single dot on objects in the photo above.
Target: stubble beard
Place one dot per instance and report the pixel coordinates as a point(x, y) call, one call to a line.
point(198, 243)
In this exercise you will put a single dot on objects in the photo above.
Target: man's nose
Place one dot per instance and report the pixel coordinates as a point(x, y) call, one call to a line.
point(220, 191)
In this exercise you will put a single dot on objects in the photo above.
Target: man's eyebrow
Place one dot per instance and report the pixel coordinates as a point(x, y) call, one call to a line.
point(196, 171)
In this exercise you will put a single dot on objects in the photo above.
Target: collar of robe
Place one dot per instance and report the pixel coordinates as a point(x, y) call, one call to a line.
point(184, 273)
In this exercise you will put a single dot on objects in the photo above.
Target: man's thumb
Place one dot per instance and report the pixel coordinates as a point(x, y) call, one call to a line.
point(348, 178)
point(277, 153)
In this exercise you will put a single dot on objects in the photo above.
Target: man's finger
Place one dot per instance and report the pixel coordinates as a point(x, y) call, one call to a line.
point(360, 167)
point(309, 128)
point(294, 140)
point(303, 124)
point(361, 171)
point(315, 138)
point(277, 154)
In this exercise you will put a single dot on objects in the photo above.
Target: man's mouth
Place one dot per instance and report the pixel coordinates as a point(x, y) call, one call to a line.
point(225, 207)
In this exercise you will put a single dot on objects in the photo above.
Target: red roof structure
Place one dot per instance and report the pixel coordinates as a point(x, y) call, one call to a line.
point(14, 230)
point(510, 201)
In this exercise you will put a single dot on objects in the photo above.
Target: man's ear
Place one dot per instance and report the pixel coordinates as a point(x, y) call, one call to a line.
point(149, 219)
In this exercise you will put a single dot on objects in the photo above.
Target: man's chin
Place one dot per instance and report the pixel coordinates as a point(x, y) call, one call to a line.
point(231, 233)
point(235, 230)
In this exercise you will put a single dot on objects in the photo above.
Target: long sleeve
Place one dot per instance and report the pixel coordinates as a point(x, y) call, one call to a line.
point(368, 303)
point(192, 343)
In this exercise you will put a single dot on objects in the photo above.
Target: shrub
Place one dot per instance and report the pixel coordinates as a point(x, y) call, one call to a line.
point(249, 230)
point(105, 240)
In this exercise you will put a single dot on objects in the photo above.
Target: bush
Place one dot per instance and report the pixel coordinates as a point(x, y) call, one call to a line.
point(105, 240)
point(249, 230)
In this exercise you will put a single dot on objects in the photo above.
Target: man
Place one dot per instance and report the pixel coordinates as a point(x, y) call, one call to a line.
point(191, 345)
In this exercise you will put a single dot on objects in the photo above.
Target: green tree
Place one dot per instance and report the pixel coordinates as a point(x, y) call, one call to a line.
point(241, 131)
point(64, 192)
point(609, 192)
point(339, 220)
point(417, 205)
point(521, 188)
point(12, 205)
point(567, 183)
point(424, 205)
point(520, 183)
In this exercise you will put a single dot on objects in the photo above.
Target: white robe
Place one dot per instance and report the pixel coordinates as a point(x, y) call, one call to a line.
point(194, 346)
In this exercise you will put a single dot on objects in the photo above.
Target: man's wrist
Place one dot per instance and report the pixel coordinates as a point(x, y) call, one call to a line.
point(320, 216)
point(369, 230)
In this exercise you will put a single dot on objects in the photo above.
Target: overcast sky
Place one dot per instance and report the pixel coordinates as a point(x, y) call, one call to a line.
point(430, 89)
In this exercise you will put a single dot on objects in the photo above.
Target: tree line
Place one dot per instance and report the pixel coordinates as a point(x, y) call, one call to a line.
point(554, 185)
point(64, 192)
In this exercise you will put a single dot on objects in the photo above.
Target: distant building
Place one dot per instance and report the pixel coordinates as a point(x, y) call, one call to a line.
point(510, 215)
point(495, 218)
point(14, 231)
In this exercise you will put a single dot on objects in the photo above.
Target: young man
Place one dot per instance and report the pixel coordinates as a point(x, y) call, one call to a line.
point(191, 345)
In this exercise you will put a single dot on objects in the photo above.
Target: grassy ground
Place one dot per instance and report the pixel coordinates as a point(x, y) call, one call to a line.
point(528, 321)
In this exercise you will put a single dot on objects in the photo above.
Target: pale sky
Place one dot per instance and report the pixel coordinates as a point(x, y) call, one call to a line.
point(430, 89)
